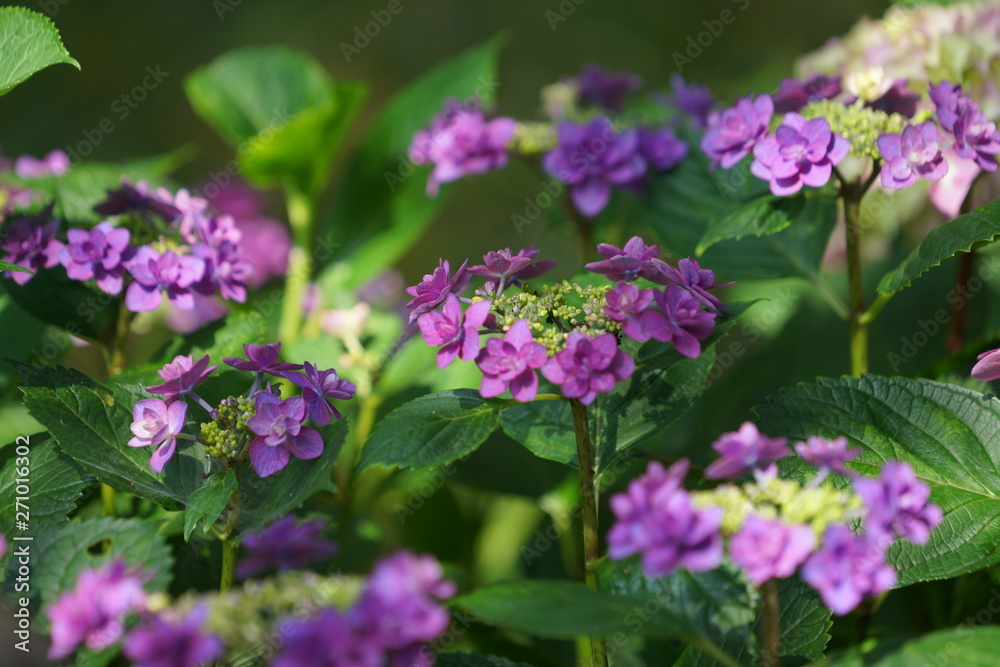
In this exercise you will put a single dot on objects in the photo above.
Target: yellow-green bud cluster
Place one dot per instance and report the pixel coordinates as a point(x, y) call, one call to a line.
point(555, 310)
point(784, 499)
point(857, 123)
point(533, 138)
point(225, 437)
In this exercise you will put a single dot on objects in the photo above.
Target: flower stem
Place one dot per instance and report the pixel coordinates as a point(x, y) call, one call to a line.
point(116, 363)
point(855, 315)
point(230, 546)
point(300, 219)
point(771, 640)
point(588, 506)
point(108, 500)
point(956, 332)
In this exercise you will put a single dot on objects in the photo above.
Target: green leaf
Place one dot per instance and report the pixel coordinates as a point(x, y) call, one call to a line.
point(7, 266)
point(963, 647)
point(68, 304)
point(431, 430)
point(474, 660)
point(91, 423)
point(951, 437)
point(54, 484)
point(29, 42)
point(263, 500)
point(59, 555)
point(207, 503)
point(382, 207)
point(663, 387)
point(979, 225)
point(764, 216)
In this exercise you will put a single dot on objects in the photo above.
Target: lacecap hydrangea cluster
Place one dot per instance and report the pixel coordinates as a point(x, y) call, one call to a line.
point(770, 527)
point(513, 329)
point(260, 425)
point(294, 619)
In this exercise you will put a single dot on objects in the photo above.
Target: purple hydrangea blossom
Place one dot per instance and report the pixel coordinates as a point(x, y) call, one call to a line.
point(284, 545)
point(225, 269)
point(693, 99)
point(656, 518)
point(262, 359)
point(181, 376)
point(603, 88)
point(459, 142)
point(55, 163)
point(137, 199)
point(435, 288)
point(626, 303)
point(155, 273)
point(317, 386)
point(793, 94)
point(846, 569)
point(458, 333)
point(93, 613)
point(173, 642)
point(156, 423)
point(768, 549)
point(635, 260)
point(696, 280)
point(732, 133)
point(799, 153)
point(829, 454)
point(913, 153)
point(592, 158)
point(987, 367)
point(100, 254)
point(743, 451)
point(280, 433)
point(897, 504)
point(976, 138)
point(661, 148)
point(898, 99)
point(265, 242)
point(511, 268)
point(680, 320)
point(30, 242)
point(588, 366)
point(511, 362)
point(330, 638)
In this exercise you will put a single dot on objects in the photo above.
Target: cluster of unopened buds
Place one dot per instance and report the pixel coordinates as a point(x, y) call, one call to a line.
point(772, 527)
point(261, 425)
point(568, 332)
point(385, 618)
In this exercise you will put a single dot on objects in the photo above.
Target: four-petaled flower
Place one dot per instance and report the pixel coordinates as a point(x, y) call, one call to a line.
point(510, 267)
point(680, 320)
point(262, 359)
point(661, 148)
point(793, 94)
point(846, 569)
point(511, 362)
point(733, 132)
point(626, 303)
point(172, 273)
point(98, 253)
point(600, 87)
point(30, 242)
point(635, 260)
point(181, 376)
point(156, 423)
point(458, 333)
point(692, 98)
point(319, 385)
point(829, 454)
point(696, 280)
point(897, 504)
point(800, 152)
point(588, 366)
point(435, 288)
point(743, 451)
point(769, 549)
point(284, 545)
point(173, 642)
point(913, 153)
point(976, 138)
point(138, 199)
point(280, 433)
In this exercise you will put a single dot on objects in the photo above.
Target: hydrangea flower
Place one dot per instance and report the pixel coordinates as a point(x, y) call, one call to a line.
point(770, 549)
point(680, 320)
point(656, 518)
point(897, 504)
point(55, 163)
point(457, 332)
point(156, 423)
point(280, 433)
point(745, 450)
point(829, 454)
point(696, 280)
point(635, 260)
point(460, 142)
point(592, 158)
point(174, 642)
point(137, 199)
point(265, 242)
point(284, 545)
point(181, 376)
point(30, 242)
point(733, 132)
point(224, 268)
point(793, 94)
point(262, 359)
point(661, 148)
point(588, 366)
point(846, 569)
point(511, 268)
point(626, 303)
point(603, 88)
point(99, 254)
point(898, 99)
point(693, 99)
point(799, 153)
point(913, 153)
point(435, 288)
point(987, 367)
point(330, 638)
point(317, 386)
point(511, 362)
point(168, 272)
point(976, 138)
point(93, 613)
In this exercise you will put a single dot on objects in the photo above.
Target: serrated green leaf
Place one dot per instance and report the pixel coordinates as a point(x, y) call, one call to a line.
point(71, 305)
point(207, 503)
point(951, 437)
point(29, 42)
point(979, 225)
point(91, 423)
point(960, 647)
point(431, 430)
point(263, 500)
point(764, 216)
